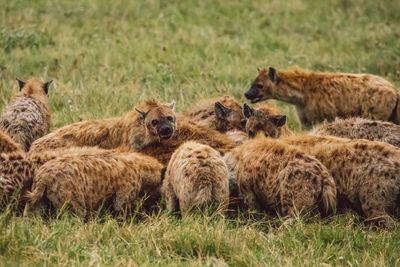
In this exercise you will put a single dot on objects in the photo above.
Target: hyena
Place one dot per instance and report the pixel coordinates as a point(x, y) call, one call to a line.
point(261, 119)
point(87, 180)
point(275, 177)
point(17, 168)
point(222, 114)
point(366, 173)
point(187, 130)
point(360, 128)
point(8, 145)
point(325, 96)
point(153, 129)
point(131, 130)
point(27, 117)
point(196, 176)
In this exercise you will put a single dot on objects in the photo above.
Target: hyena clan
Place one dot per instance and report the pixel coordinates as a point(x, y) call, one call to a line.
point(87, 180)
point(360, 128)
point(325, 96)
point(196, 176)
point(366, 173)
point(152, 128)
point(27, 117)
point(276, 177)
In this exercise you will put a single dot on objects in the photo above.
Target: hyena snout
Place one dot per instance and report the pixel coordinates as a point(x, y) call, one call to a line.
point(253, 94)
point(165, 131)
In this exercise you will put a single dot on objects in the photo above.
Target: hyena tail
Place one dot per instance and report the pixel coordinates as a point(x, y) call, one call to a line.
point(328, 196)
point(203, 198)
point(33, 196)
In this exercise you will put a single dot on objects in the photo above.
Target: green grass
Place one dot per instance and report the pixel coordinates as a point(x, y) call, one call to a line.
point(105, 56)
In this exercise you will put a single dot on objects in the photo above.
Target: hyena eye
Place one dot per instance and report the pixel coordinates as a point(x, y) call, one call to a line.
point(251, 134)
point(154, 122)
point(170, 118)
point(259, 86)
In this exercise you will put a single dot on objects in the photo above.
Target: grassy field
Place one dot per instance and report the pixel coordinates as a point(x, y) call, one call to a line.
point(104, 56)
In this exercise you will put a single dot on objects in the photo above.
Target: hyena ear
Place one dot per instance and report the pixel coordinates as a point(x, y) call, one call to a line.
point(142, 115)
point(20, 83)
point(247, 110)
point(172, 105)
point(279, 120)
point(221, 111)
point(272, 75)
point(258, 69)
point(46, 86)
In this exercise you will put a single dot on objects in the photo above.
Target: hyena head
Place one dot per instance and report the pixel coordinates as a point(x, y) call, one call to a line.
point(229, 118)
point(263, 86)
point(160, 121)
point(261, 121)
point(34, 86)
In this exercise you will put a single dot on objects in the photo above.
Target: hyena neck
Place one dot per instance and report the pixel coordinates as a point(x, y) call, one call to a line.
point(290, 88)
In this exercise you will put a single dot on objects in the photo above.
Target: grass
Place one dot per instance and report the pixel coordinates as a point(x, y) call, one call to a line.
point(105, 56)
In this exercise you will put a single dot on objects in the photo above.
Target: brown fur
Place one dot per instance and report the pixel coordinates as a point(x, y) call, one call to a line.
point(8, 145)
point(86, 180)
point(275, 177)
point(359, 128)
point(135, 129)
point(188, 131)
point(27, 116)
point(238, 137)
point(266, 119)
point(196, 177)
point(366, 172)
point(222, 114)
point(16, 168)
point(325, 96)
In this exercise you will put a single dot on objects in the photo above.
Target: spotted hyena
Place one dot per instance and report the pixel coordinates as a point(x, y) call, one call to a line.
point(222, 114)
point(366, 173)
point(87, 180)
point(274, 177)
point(360, 128)
point(196, 176)
point(262, 119)
point(27, 117)
point(325, 96)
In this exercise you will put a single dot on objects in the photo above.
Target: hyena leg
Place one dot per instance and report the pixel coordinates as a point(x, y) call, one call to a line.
point(250, 200)
point(297, 195)
point(126, 197)
point(171, 200)
point(373, 205)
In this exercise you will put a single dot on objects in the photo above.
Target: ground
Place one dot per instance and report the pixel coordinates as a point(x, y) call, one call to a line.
point(105, 56)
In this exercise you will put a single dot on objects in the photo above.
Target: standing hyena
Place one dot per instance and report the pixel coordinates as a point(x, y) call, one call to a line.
point(87, 180)
point(367, 173)
point(222, 114)
point(325, 96)
point(27, 116)
point(275, 177)
point(359, 128)
point(196, 176)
